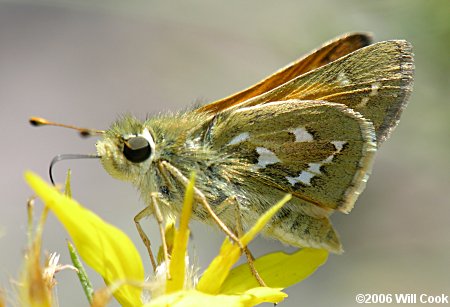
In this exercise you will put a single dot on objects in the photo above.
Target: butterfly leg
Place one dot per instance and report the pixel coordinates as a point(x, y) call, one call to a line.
point(248, 254)
point(200, 197)
point(160, 221)
point(251, 264)
point(137, 219)
point(153, 209)
point(232, 202)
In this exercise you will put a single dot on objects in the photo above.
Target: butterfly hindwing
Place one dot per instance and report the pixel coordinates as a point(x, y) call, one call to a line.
point(320, 152)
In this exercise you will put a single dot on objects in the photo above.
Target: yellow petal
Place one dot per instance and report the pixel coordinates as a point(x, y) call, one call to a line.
point(278, 270)
point(219, 268)
point(260, 295)
point(104, 247)
point(194, 298)
point(177, 262)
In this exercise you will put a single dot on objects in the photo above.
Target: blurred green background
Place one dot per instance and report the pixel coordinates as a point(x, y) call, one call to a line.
point(86, 62)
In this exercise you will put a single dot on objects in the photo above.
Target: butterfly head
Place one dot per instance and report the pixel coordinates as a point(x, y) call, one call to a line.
point(127, 149)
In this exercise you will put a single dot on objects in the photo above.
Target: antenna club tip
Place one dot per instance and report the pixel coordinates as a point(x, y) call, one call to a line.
point(85, 133)
point(37, 121)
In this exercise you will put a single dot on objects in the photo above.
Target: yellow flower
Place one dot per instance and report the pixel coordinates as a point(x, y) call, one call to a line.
point(108, 251)
point(105, 248)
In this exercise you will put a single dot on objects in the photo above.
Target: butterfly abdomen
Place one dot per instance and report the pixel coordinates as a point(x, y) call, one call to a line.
point(302, 230)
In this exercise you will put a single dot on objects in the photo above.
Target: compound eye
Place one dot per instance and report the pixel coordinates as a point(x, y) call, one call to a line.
point(137, 149)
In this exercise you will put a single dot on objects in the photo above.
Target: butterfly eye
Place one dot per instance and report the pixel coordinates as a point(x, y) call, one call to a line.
point(137, 149)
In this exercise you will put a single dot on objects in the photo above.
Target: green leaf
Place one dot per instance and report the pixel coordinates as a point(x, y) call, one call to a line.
point(82, 275)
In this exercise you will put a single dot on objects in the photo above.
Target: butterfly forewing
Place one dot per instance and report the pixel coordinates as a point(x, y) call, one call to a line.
point(319, 151)
point(375, 81)
point(329, 52)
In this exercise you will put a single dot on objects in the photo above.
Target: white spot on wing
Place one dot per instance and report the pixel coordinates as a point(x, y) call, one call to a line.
point(338, 145)
point(375, 87)
point(239, 138)
point(266, 157)
point(302, 135)
point(304, 177)
point(328, 159)
point(342, 79)
point(314, 167)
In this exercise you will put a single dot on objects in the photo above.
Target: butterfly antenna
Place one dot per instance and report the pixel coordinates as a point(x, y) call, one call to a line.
point(84, 132)
point(61, 157)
